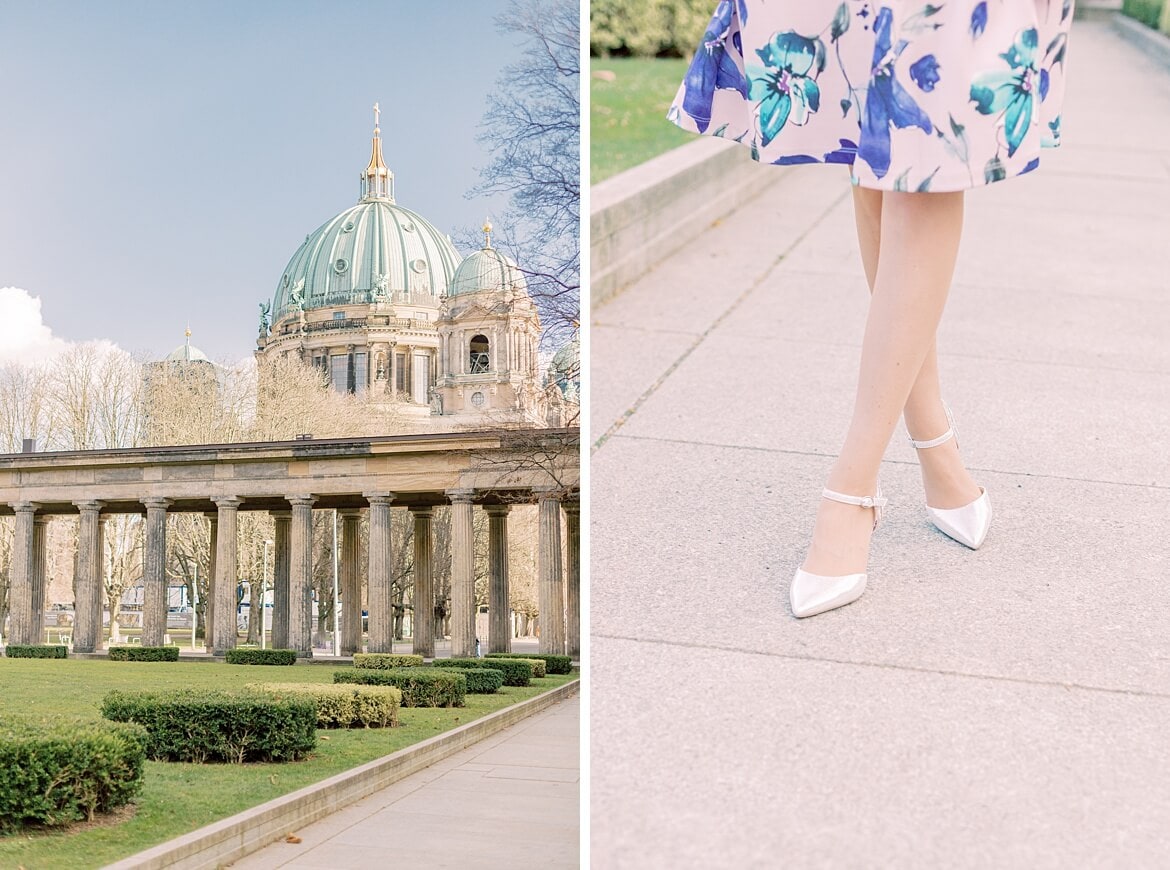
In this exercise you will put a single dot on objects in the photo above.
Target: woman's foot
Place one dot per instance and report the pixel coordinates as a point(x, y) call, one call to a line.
point(946, 480)
point(840, 541)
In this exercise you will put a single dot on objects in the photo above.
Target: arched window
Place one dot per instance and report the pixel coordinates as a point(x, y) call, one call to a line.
point(478, 361)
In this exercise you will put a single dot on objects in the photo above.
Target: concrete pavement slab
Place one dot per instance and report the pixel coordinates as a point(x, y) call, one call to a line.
point(1069, 587)
point(818, 764)
point(467, 811)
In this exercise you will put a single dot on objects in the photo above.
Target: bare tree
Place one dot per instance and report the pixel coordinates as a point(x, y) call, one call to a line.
point(533, 128)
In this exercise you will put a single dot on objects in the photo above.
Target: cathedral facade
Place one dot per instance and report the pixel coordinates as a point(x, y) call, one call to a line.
point(383, 304)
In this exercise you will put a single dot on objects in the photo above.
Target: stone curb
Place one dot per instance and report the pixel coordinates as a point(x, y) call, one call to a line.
point(1150, 41)
point(236, 836)
point(643, 215)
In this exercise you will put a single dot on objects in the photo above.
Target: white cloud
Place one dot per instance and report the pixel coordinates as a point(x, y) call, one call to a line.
point(24, 336)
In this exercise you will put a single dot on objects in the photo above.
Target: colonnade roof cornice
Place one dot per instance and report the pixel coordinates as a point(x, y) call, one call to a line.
point(485, 467)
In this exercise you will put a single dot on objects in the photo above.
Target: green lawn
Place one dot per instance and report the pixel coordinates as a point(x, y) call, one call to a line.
point(627, 117)
point(177, 798)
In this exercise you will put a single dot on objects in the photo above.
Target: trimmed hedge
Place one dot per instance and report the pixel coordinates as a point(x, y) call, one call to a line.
point(201, 726)
point(483, 681)
point(554, 664)
point(385, 661)
point(261, 656)
point(420, 687)
point(36, 651)
point(55, 773)
point(517, 672)
point(144, 653)
point(342, 706)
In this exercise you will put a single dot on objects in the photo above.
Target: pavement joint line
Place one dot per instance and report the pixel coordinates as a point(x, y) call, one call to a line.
point(983, 469)
point(629, 412)
point(644, 329)
point(748, 333)
point(893, 666)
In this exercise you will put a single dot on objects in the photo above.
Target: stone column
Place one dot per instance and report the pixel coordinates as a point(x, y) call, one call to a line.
point(393, 360)
point(226, 575)
point(572, 509)
point(20, 575)
point(381, 606)
point(154, 572)
point(209, 610)
point(300, 587)
point(87, 584)
point(350, 583)
point(424, 582)
point(499, 638)
point(280, 580)
point(99, 600)
point(38, 580)
point(549, 573)
point(462, 574)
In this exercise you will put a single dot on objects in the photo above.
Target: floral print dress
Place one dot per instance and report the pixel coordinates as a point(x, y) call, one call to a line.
point(914, 96)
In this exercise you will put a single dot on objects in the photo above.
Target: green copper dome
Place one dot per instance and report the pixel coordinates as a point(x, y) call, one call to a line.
point(376, 249)
point(488, 269)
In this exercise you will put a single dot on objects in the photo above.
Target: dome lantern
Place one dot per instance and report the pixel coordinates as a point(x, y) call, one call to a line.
point(377, 181)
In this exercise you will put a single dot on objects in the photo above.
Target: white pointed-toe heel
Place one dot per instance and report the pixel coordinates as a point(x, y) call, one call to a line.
point(967, 524)
point(811, 594)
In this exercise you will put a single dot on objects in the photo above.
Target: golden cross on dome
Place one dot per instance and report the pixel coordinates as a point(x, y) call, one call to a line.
point(487, 233)
point(377, 115)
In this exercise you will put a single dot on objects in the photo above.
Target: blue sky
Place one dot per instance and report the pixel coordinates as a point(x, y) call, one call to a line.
point(161, 161)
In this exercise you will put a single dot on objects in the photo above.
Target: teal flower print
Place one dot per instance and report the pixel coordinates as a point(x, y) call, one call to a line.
point(785, 86)
point(1011, 94)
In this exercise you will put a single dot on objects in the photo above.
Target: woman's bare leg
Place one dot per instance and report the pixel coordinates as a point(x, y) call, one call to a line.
point(911, 280)
point(944, 477)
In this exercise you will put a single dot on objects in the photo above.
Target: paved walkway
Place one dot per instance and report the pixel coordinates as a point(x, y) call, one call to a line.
point(511, 800)
point(1001, 708)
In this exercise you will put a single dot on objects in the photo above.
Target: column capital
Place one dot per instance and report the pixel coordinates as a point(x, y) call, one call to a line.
point(497, 510)
point(228, 502)
point(301, 500)
point(541, 493)
point(25, 507)
point(89, 505)
point(378, 497)
point(349, 513)
point(212, 515)
point(155, 502)
point(460, 496)
point(572, 506)
point(422, 511)
point(41, 519)
point(280, 516)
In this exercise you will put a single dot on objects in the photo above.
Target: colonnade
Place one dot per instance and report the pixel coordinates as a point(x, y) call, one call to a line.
point(559, 584)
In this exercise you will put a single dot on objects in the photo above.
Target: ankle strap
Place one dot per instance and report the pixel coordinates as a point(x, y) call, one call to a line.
point(934, 442)
point(941, 439)
point(865, 501)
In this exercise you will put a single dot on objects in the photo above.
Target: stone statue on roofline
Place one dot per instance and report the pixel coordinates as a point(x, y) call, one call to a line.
point(265, 310)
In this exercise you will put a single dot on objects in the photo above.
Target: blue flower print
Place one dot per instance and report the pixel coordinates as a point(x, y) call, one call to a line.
point(925, 72)
point(887, 102)
point(978, 20)
point(1011, 94)
point(712, 68)
point(783, 86)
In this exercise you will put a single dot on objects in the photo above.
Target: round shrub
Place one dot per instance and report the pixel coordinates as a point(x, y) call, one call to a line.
point(384, 661)
point(201, 726)
point(52, 773)
point(421, 687)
